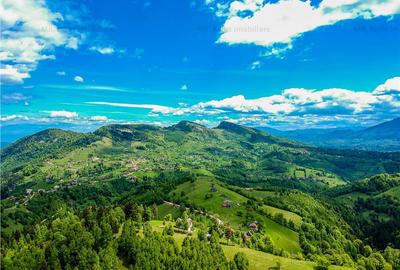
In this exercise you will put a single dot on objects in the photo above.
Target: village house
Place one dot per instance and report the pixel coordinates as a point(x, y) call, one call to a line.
point(246, 235)
point(190, 224)
point(253, 226)
point(227, 204)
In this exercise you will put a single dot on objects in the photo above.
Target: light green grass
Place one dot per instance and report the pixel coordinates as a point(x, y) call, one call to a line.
point(282, 237)
point(164, 209)
point(263, 261)
point(197, 191)
point(260, 194)
point(297, 220)
point(258, 260)
point(395, 192)
point(158, 226)
point(353, 197)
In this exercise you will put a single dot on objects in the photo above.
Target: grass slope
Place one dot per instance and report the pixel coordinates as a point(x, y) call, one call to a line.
point(286, 214)
point(395, 192)
point(258, 260)
point(196, 192)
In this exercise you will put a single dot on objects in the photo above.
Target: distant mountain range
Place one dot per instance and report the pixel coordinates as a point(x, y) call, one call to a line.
point(382, 137)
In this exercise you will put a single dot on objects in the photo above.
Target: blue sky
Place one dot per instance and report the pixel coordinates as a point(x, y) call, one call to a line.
point(284, 63)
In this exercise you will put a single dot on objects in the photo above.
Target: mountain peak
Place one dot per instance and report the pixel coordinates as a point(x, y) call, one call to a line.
point(385, 130)
point(235, 128)
point(188, 126)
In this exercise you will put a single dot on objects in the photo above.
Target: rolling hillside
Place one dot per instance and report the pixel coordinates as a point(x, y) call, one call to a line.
point(381, 137)
point(239, 154)
point(199, 195)
point(244, 189)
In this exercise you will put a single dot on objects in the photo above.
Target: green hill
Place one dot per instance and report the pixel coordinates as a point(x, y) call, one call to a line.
point(43, 145)
point(237, 154)
point(302, 202)
point(199, 194)
point(372, 206)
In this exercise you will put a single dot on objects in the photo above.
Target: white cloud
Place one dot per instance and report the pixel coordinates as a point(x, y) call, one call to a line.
point(184, 87)
point(255, 65)
point(104, 88)
point(63, 114)
point(183, 104)
point(269, 24)
point(14, 98)
point(29, 32)
point(72, 43)
point(61, 73)
point(78, 79)
point(102, 50)
point(13, 74)
point(99, 118)
point(85, 87)
point(277, 50)
point(392, 84)
point(295, 104)
point(154, 108)
point(6, 118)
point(206, 122)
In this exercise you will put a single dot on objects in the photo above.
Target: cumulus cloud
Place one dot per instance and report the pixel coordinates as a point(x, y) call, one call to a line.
point(14, 74)
point(300, 101)
point(78, 79)
point(72, 43)
point(99, 118)
point(184, 87)
point(332, 104)
point(392, 84)
point(62, 114)
point(280, 22)
point(29, 33)
point(7, 118)
point(58, 117)
point(102, 50)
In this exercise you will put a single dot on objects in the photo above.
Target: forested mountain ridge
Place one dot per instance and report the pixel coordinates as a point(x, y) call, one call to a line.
point(383, 137)
point(268, 154)
point(132, 189)
point(45, 144)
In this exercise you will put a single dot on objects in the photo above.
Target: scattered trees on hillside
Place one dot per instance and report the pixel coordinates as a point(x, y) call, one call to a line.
point(105, 238)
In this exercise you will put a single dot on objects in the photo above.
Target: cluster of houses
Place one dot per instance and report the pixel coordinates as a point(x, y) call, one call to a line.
point(253, 227)
point(29, 192)
point(189, 224)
